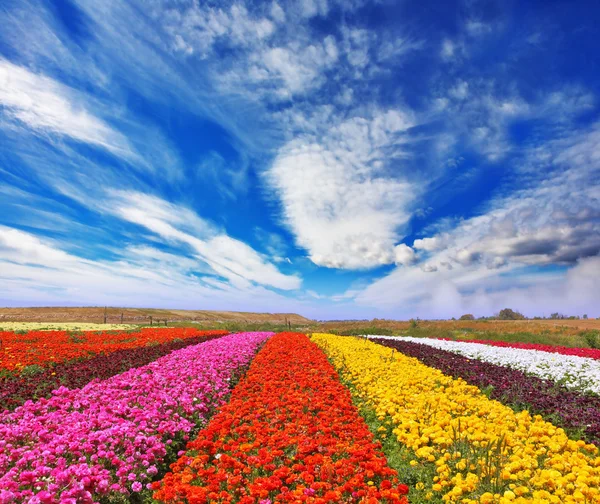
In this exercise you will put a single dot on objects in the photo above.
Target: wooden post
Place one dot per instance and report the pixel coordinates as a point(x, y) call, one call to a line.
point(121, 317)
point(150, 319)
point(165, 322)
point(105, 314)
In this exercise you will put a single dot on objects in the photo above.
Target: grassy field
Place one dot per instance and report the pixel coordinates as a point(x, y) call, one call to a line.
point(571, 333)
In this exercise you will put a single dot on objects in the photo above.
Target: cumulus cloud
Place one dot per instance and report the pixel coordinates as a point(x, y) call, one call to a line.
point(429, 244)
point(404, 255)
point(339, 201)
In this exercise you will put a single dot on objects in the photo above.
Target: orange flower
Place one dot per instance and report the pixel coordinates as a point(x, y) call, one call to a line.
point(43, 348)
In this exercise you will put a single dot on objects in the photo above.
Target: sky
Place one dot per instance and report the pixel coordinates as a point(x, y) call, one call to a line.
point(342, 159)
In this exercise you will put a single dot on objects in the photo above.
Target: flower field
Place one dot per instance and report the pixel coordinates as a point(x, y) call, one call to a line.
point(474, 449)
point(16, 389)
point(575, 411)
point(43, 349)
point(591, 353)
point(580, 373)
point(289, 434)
point(111, 437)
point(263, 418)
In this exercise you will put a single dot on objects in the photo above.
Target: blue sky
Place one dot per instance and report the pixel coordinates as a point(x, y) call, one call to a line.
point(339, 159)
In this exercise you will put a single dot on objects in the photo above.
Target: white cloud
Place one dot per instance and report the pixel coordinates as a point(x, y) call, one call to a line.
point(312, 8)
point(460, 91)
point(554, 220)
point(277, 13)
point(356, 46)
point(230, 258)
point(428, 268)
point(481, 112)
point(198, 29)
point(429, 244)
point(448, 49)
point(477, 28)
point(404, 255)
point(50, 108)
point(337, 197)
point(39, 272)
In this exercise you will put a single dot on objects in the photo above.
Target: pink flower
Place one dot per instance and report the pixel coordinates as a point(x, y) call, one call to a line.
point(123, 423)
point(136, 487)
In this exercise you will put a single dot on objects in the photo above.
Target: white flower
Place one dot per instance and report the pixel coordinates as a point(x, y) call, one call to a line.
point(575, 372)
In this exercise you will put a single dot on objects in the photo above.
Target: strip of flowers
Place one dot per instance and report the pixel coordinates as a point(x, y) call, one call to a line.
point(46, 348)
point(590, 353)
point(565, 407)
point(578, 373)
point(15, 390)
point(482, 451)
point(290, 433)
point(112, 437)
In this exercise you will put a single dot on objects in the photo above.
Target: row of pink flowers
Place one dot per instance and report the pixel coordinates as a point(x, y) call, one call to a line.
point(113, 436)
point(591, 353)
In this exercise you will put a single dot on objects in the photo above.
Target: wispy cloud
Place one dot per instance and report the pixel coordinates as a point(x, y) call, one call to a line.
point(51, 108)
point(40, 272)
point(230, 258)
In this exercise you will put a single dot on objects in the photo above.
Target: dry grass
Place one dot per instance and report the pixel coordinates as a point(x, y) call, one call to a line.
point(141, 316)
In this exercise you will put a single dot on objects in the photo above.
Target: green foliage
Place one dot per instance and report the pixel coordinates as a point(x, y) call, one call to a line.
point(592, 338)
point(508, 314)
point(31, 370)
point(77, 337)
point(467, 316)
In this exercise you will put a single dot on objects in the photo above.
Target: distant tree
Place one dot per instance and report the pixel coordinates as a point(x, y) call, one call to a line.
point(414, 323)
point(467, 316)
point(585, 316)
point(557, 316)
point(508, 314)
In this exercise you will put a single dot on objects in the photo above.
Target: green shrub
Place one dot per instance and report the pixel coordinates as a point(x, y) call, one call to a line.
point(592, 338)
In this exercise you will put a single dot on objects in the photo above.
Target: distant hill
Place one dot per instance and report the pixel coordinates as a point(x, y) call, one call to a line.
point(142, 315)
